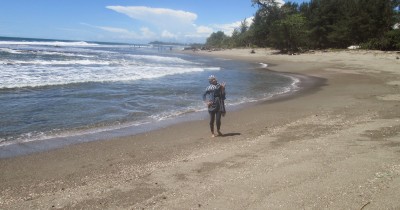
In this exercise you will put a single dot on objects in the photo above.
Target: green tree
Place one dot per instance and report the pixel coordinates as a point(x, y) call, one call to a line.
point(317, 24)
point(289, 34)
point(268, 12)
point(243, 26)
point(323, 14)
point(216, 39)
point(340, 23)
point(242, 36)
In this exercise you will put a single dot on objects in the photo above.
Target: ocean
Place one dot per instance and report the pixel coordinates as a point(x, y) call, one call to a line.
point(80, 91)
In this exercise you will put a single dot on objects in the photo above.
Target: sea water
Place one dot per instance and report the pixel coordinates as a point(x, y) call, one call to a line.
point(58, 89)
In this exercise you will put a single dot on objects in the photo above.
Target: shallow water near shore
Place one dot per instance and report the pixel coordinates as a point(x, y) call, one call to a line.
point(59, 93)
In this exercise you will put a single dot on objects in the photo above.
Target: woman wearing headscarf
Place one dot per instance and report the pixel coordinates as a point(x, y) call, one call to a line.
point(214, 97)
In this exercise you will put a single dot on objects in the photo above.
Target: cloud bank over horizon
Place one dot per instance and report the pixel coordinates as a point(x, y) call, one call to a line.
point(166, 25)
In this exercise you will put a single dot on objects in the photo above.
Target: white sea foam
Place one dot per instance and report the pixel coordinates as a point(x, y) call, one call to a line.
point(136, 59)
point(56, 53)
point(264, 65)
point(160, 59)
point(170, 114)
point(11, 51)
point(24, 76)
point(42, 71)
point(59, 62)
point(48, 43)
point(59, 53)
point(44, 50)
point(295, 82)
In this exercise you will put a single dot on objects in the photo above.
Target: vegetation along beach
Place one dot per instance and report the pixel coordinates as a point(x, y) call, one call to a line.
point(312, 101)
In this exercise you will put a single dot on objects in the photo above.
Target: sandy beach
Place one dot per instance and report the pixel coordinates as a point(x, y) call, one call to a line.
point(333, 145)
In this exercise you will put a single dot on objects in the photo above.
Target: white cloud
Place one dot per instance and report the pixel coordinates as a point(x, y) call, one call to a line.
point(279, 2)
point(229, 27)
point(147, 33)
point(160, 17)
point(168, 35)
point(204, 30)
point(114, 30)
point(167, 24)
point(122, 33)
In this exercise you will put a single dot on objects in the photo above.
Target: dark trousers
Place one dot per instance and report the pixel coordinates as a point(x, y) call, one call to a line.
point(215, 115)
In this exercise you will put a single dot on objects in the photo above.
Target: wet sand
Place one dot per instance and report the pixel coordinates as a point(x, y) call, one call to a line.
point(334, 145)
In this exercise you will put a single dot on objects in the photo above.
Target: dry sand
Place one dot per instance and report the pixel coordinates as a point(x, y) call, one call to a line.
point(334, 145)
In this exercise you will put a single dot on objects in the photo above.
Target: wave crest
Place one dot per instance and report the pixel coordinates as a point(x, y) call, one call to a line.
point(64, 75)
point(49, 43)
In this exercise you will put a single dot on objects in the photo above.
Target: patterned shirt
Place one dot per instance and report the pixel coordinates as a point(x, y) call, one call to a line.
point(216, 96)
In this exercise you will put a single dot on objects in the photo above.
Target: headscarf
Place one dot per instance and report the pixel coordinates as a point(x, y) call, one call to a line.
point(211, 78)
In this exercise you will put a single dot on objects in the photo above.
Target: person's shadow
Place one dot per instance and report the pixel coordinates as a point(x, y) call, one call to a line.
point(230, 134)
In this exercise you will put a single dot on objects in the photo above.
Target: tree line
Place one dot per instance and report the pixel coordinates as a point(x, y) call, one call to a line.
point(317, 24)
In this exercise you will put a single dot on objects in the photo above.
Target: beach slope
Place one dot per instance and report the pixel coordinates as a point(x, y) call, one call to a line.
point(333, 145)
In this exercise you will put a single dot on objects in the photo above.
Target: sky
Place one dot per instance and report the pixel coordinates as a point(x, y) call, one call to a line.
point(125, 21)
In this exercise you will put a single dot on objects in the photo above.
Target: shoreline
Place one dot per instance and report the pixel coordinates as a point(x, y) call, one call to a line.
point(339, 142)
point(20, 148)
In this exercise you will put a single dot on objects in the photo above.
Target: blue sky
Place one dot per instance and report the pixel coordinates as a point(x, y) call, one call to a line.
point(129, 21)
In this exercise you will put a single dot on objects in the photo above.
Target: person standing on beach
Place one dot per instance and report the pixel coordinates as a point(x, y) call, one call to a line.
point(214, 98)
